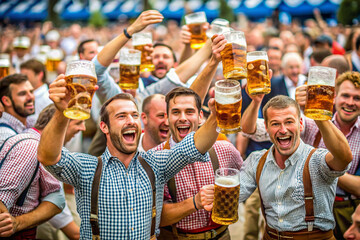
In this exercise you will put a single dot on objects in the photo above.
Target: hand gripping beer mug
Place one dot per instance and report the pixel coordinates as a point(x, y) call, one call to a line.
point(81, 79)
point(130, 60)
point(4, 65)
point(226, 196)
point(258, 80)
point(139, 41)
point(54, 57)
point(195, 22)
point(320, 93)
point(228, 106)
point(234, 56)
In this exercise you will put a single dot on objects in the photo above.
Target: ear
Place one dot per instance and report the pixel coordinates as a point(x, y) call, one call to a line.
point(301, 123)
point(104, 128)
point(40, 76)
point(334, 100)
point(201, 116)
point(6, 101)
point(144, 118)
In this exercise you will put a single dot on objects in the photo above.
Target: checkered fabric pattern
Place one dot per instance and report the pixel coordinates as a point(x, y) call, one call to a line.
point(196, 175)
point(282, 190)
point(17, 171)
point(125, 200)
point(18, 126)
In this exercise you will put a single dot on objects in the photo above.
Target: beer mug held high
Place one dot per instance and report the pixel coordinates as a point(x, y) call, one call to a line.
point(130, 60)
point(81, 79)
point(320, 93)
point(226, 196)
point(139, 41)
point(228, 103)
point(195, 22)
point(258, 79)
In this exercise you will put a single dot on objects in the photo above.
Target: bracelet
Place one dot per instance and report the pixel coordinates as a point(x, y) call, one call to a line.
point(195, 203)
point(127, 34)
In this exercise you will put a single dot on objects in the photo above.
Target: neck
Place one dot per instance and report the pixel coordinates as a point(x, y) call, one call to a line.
point(345, 126)
point(39, 84)
point(123, 157)
point(280, 159)
point(148, 142)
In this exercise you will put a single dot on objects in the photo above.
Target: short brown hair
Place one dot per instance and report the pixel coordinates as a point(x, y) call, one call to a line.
point(45, 116)
point(104, 114)
point(353, 77)
point(36, 66)
point(280, 102)
point(147, 101)
point(182, 91)
point(5, 83)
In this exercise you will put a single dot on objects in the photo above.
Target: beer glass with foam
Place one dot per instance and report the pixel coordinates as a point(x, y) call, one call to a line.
point(139, 41)
point(258, 80)
point(218, 26)
point(81, 79)
point(54, 57)
point(130, 60)
point(320, 93)
point(234, 56)
point(228, 106)
point(226, 196)
point(4, 65)
point(195, 22)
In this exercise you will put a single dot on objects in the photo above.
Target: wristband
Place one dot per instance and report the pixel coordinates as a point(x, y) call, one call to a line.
point(195, 203)
point(126, 34)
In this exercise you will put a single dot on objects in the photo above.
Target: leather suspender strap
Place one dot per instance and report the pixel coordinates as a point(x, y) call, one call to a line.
point(258, 174)
point(214, 159)
point(317, 139)
point(94, 220)
point(308, 194)
point(151, 176)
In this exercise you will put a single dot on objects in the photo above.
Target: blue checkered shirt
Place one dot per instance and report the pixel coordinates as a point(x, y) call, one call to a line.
point(282, 190)
point(125, 195)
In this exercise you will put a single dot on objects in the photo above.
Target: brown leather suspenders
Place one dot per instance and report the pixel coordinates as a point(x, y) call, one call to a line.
point(308, 191)
point(94, 221)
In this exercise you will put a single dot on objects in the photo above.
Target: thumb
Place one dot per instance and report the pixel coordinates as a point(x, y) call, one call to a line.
point(208, 207)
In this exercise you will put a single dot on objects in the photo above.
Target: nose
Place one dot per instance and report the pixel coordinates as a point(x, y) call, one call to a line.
point(82, 126)
point(349, 233)
point(182, 116)
point(350, 101)
point(282, 129)
point(130, 120)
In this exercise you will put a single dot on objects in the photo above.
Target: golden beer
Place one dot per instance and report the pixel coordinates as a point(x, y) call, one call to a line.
point(226, 196)
point(81, 89)
point(198, 35)
point(228, 106)
point(258, 80)
point(146, 64)
point(52, 64)
point(4, 71)
point(319, 102)
point(129, 76)
point(234, 61)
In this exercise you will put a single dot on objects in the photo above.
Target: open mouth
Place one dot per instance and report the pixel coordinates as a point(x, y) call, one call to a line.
point(164, 132)
point(183, 131)
point(29, 105)
point(284, 141)
point(348, 110)
point(129, 135)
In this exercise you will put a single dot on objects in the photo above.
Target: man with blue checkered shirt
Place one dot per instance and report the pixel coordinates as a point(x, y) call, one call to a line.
point(125, 194)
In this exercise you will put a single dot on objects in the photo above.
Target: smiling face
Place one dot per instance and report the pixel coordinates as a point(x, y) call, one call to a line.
point(21, 103)
point(353, 232)
point(163, 61)
point(284, 127)
point(184, 116)
point(124, 127)
point(73, 128)
point(347, 103)
point(292, 70)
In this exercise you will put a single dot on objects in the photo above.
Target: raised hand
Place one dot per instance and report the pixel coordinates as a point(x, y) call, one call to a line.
point(300, 96)
point(218, 44)
point(146, 18)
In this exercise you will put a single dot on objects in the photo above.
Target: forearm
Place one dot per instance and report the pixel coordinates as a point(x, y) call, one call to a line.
point(188, 68)
point(107, 54)
point(336, 143)
point(202, 82)
point(52, 139)
point(41, 214)
point(174, 212)
point(350, 183)
point(206, 135)
point(186, 53)
point(248, 120)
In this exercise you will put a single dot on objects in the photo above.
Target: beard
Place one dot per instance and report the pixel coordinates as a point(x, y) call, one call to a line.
point(115, 139)
point(20, 110)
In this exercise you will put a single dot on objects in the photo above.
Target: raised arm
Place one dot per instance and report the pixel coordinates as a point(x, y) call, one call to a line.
point(350, 183)
point(107, 54)
point(185, 38)
point(202, 82)
point(340, 154)
point(251, 114)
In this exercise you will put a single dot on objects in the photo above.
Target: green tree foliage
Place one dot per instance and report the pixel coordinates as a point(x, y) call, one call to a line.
point(226, 12)
point(348, 11)
point(97, 19)
point(52, 15)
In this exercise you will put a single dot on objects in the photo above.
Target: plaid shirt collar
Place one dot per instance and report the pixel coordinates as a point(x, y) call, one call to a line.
point(356, 125)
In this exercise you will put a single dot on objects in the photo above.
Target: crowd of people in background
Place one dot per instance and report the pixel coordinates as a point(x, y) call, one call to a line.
point(157, 122)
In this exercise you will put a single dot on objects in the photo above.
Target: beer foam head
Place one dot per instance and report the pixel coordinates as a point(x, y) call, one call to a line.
point(198, 17)
point(227, 181)
point(319, 75)
point(55, 54)
point(130, 57)
point(257, 55)
point(141, 38)
point(4, 60)
point(237, 37)
point(80, 67)
point(227, 98)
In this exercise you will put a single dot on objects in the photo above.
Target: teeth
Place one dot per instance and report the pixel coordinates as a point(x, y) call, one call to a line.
point(129, 132)
point(283, 138)
point(183, 127)
point(348, 110)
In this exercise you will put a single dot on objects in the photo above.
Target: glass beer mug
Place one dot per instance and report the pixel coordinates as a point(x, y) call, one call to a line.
point(228, 106)
point(139, 41)
point(130, 60)
point(320, 93)
point(81, 79)
point(195, 22)
point(226, 196)
point(258, 80)
point(4, 65)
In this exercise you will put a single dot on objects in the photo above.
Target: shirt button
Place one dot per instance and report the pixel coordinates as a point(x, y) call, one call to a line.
point(279, 203)
point(130, 190)
point(132, 209)
point(279, 186)
point(132, 229)
point(281, 220)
